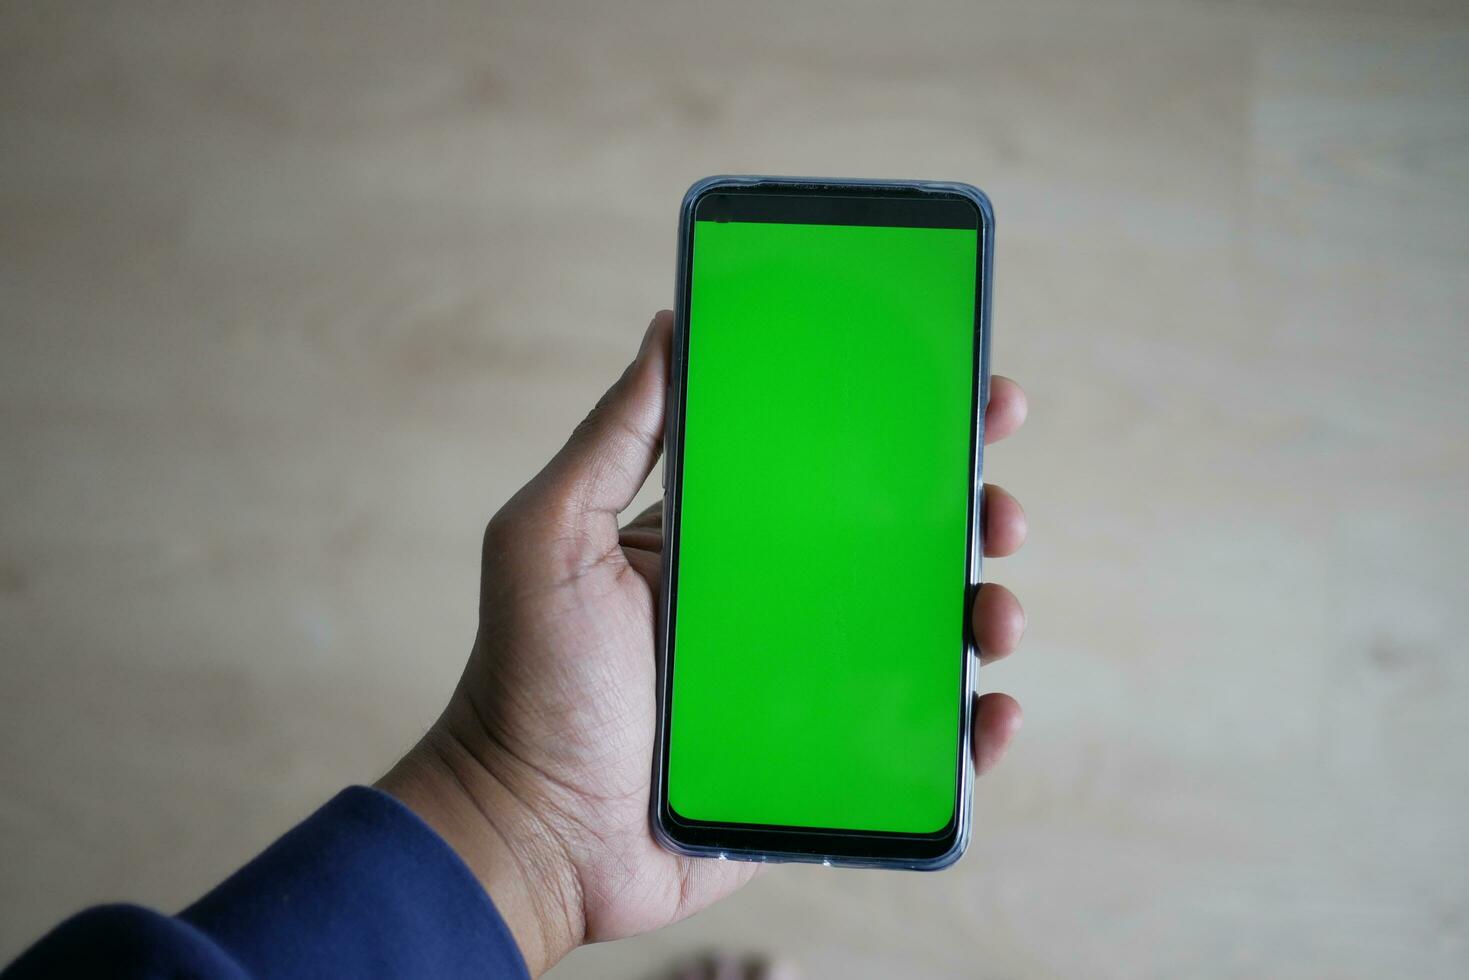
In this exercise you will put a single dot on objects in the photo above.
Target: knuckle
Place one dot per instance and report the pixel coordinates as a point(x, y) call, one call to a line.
point(499, 537)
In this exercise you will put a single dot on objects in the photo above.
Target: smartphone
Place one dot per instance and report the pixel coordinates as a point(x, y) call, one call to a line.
point(822, 471)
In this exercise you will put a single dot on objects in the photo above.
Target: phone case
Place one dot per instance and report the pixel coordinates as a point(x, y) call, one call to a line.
point(672, 465)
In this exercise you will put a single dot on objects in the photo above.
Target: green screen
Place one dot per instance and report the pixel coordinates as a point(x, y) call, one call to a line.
point(818, 642)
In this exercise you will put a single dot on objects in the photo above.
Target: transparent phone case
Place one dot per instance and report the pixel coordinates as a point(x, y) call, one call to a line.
point(665, 834)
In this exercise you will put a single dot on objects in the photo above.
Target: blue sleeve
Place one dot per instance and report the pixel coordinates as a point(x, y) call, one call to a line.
point(361, 888)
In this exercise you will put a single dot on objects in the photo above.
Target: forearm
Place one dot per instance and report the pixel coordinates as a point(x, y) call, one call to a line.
point(360, 888)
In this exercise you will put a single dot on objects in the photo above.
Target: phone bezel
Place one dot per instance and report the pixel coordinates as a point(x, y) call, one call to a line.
point(836, 846)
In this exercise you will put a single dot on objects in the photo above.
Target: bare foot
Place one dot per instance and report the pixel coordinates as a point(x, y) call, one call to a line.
point(732, 966)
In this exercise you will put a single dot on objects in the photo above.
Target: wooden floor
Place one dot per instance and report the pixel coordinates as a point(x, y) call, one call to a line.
point(291, 300)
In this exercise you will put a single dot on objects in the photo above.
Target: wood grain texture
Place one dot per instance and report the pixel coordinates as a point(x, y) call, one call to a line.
point(293, 296)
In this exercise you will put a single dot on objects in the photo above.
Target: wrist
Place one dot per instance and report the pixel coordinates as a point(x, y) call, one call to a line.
point(517, 857)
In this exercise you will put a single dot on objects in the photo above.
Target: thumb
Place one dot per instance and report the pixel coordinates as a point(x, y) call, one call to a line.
point(609, 456)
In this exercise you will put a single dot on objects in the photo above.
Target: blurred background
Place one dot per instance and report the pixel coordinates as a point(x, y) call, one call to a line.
point(294, 296)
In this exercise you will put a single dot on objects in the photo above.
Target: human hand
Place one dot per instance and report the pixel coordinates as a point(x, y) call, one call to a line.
point(538, 771)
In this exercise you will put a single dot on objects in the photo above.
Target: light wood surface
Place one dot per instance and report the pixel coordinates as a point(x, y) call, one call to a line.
point(293, 296)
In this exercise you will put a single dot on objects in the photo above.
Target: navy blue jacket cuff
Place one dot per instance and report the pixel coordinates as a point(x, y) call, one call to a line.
point(362, 887)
